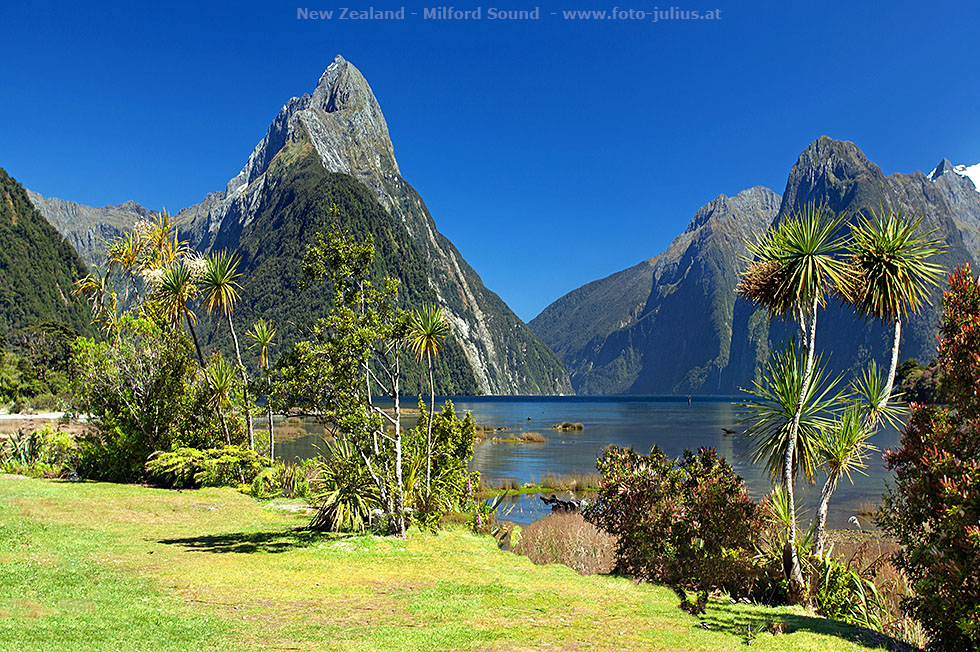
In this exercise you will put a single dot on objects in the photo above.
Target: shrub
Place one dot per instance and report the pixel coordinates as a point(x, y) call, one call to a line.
point(345, 495)
point(47, 452)
point(570, 540)
point(144, 393)
point(286, 480)
point(452, 449)
point(687, 523)
point(190, 468)
point(842, 594)
point(933, 508)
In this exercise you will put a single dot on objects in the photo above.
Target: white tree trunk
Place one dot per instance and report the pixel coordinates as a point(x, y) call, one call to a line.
point(400, 486)
point(795, 573)
point(890, 383)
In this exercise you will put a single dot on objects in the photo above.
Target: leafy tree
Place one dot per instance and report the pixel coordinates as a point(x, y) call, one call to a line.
point(933, 508)
point(429, 329)
point(35, 364)
point(797, 263)
point(134, 388)
point(349, 356)
point(890, 257)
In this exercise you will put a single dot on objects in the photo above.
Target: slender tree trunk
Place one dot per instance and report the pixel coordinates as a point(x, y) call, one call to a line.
point(197, 347)
point(241, 368)
point(400, 493)
point(428, 436)
point(894, 365)
point(224, 424)
point(828, 490)
point(791, 559)
point(272, 433)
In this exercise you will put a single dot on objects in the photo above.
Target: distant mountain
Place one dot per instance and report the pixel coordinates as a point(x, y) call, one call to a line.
point(37, 266)
point(88, 228)
point(662, 326)
point(689, 334)
point(333, 146)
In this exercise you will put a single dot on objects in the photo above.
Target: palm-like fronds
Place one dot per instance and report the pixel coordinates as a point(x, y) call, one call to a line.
point(218, 283)
point(771, 409)
point(96, 288)
point(776, 509)
point(263, 334)
point(174, 293)
point(345, 493)
point(870, 393)
point(128, 252)
point(429, 328)
point(164, 246)
point(890, 256)
point(845, 447)
point(796, 261)
point(220, 375)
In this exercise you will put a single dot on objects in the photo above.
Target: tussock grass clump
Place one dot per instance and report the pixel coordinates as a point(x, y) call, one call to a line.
point(549, 483)
point(575, 482)
point(570, 540)
point(532, 438)
point(568, 425)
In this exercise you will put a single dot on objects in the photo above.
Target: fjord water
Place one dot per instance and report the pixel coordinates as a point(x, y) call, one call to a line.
point(671, 423)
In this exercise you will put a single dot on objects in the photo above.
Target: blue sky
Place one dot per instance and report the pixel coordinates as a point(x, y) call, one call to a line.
point(551, 152)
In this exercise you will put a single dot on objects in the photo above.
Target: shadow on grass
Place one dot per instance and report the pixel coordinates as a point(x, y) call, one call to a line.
point(251, 542)
point(723, 617)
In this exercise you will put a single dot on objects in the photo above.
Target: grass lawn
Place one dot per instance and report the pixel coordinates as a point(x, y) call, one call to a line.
point(90, 566)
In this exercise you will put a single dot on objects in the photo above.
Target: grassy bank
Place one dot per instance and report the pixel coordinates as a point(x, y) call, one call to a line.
point(93, 566)
point(549, 483)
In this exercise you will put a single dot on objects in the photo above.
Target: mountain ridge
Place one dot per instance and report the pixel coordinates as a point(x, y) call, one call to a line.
point(828, 171)
point(343, 122)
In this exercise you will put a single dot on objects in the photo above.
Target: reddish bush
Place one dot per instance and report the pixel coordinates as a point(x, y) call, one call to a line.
point(933, 510)
point(687, 523)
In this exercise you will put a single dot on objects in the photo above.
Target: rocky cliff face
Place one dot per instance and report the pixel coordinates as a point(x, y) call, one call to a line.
point(342, 123)
point(88, 228)
point(964, 201)
point(690, 334)
point(840, 175)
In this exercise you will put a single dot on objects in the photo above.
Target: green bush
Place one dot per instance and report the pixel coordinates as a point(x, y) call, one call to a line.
point(286, 480)
point(113, 454)
point(190, 468)
point(145, 393)
point(842, 594)
point(47, 452)
point(345, 495)
point(451, 485)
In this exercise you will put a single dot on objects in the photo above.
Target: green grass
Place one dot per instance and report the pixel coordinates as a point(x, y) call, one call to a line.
point(92, 566)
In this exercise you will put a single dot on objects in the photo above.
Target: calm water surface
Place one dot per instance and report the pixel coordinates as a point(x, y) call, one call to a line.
point(640, 422)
